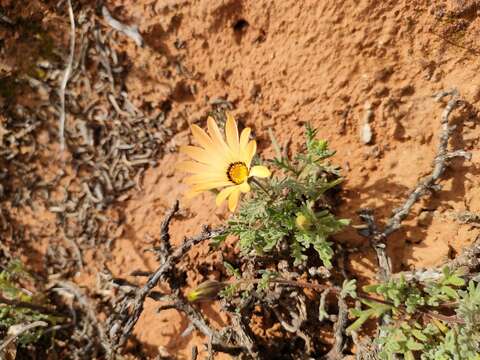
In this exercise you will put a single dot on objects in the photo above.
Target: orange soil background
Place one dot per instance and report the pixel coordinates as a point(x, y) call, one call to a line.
point(284, 63)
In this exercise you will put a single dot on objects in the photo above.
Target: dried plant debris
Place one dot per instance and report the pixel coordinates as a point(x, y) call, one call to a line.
point(111, 142)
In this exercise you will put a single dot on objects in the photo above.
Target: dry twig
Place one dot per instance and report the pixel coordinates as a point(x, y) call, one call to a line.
point(378, 238)
point(129, 317)
point(22, 329)
point(338, 329)
point(89, 310)
point(66, 76)
point(215, 342)
point(469, 259)
point(128, 30)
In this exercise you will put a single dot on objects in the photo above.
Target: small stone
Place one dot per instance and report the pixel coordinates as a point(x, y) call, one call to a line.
point(366, 134)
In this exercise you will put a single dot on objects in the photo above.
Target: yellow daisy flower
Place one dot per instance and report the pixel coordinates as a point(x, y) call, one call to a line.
point(221, 164)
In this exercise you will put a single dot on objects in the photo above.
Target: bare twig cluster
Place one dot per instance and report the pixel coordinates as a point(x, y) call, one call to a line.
point(122, 325)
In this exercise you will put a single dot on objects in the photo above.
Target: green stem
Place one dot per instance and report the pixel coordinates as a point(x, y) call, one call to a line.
point(257, 183)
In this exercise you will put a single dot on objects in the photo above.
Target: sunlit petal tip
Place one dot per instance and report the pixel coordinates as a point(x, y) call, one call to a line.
point(195, 179)
point(212, 126)
point(260, 171)
point(229, 116)
point(197, 153)
point(217, 137)
point(244, 137)
point(193, 167)
point(194, 126)
point(252, 148)
point(231, 133)
point(201, 136)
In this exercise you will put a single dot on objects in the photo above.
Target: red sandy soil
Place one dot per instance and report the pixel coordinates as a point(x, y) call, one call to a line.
point(284, 63)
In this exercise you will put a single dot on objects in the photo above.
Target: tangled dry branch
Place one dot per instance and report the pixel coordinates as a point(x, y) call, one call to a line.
point(131, 310)
point(378, 238)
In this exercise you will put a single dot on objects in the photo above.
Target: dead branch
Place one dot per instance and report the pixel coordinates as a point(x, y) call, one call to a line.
point(377, 242)
point(336, 353)
point(429, 183)
point(470, 258)
point(89, 310)
point(66, 76)
point(242, 334)
point(165, 248)
point(166, 272)
point(129, 30)
point(297, 320)
point(129, 316)
point(19, 331)
point(440, 164)
point(198, 321)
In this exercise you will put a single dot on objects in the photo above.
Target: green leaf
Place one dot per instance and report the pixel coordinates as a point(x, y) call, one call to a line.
point(357, 324)
point(419, 335)
point(349, 288)
point(414, 345)
point(451, 293)
point(218, 240)
point(231, 270)
point(409, 356)
point(371, 288)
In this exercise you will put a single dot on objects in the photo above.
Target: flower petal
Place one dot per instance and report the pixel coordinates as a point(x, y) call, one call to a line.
point(225, 193)
point(210, 185)
point(250, 152)
point(203, 178)
point(233, 199)
point(216, 135)
point(244, 187)
point(197, 154)
point(260, 171)
point(244, 137)
point(201, 136)
point(193, 167)
point(231, 133)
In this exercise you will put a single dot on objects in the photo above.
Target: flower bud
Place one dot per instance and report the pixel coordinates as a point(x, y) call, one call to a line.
point(302, 222)
point(208, 290)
